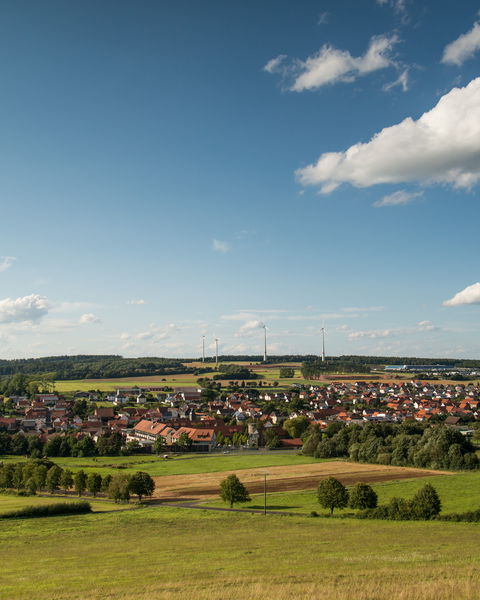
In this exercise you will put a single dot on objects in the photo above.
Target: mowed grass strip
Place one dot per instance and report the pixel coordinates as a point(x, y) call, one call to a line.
point(178, 465)
point(166, 553)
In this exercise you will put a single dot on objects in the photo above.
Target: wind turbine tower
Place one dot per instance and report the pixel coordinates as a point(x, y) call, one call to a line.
point(265, 343)
point(203, 348)
point(323, 344)
point(216, 351)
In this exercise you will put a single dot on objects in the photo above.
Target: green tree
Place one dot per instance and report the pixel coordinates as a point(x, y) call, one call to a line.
point(184, 441)
point(232, 490)
point(119, 488)
point(141, 484)
point(287, 372)
point(426, 503)
point(80, 482)
point(66, 480)
point(362, 496)
point(94, 483)
point(40, 476)
point(296, 427)
point(159, 445)
point(53, 479)
point(106, 483)
point(332, 494)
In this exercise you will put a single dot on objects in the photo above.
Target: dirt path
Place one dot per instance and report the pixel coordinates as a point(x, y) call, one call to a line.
point(289, 478)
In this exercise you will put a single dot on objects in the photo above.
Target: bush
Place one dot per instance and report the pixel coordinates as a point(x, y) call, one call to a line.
point(472, 516)
point(426, 503)
point(362, 496)
point(49, 510)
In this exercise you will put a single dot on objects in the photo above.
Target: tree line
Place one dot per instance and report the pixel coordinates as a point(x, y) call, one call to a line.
point(408, 444)
point(44, 476)
point(107, 444)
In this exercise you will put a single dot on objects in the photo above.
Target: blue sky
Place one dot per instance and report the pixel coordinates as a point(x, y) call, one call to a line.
point(173, 169)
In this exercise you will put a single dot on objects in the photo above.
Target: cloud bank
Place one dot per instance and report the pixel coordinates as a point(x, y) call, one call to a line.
point(442, 146)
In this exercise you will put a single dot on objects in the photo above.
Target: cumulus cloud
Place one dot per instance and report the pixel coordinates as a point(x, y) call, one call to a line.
point(27, 308)
point(470, 295)
point(220, 246)
point(442, 146)
point(399, 198)
point(6, 262)
point(463, 48)
point(249, 327)
point(136, 302)
point(89, 318)
point(331, 65)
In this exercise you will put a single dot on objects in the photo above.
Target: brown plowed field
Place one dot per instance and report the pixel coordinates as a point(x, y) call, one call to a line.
point(280, 479)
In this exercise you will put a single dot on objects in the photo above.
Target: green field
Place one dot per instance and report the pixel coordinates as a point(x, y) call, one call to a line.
point(458, 492)
point(167, 553)
point(10, 502)
point(180, 465)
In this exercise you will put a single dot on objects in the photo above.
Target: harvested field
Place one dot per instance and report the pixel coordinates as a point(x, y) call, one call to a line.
point(288, 478)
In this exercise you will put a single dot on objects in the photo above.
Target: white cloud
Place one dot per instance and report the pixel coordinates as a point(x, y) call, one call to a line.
point(153, 334)
point(6, 262)
point(89, 318)
point(249, 327)
point(401, 81)
point(136, 302)
point(331, 65)
point(372, 334)
point(442, 146)
point(399, 198)
point(220, 246)
point(273, 64)
point(426, 326)
point(470, 295)
point(27, 308)
point(463, 48)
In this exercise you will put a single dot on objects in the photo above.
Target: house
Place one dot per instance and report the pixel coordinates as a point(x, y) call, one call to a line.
point(202, 439)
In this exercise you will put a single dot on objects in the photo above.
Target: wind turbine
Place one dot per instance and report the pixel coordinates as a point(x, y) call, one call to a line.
point(265, 342)
point(203, 348)
point(323, 343)
point(216, 351)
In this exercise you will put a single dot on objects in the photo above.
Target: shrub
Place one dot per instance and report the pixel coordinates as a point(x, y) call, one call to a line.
point(426, 503)
point(49, 510)
point(362, 496)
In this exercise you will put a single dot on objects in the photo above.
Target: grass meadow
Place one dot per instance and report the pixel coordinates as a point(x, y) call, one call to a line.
point(181, 465)
point(459, 492)
point(165, 553)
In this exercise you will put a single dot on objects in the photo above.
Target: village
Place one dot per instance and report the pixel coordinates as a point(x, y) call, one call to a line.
point(151, 419)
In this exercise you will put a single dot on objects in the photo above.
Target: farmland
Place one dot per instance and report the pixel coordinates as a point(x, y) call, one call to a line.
point(229, 555)
point(11, 502)
point(280, 478)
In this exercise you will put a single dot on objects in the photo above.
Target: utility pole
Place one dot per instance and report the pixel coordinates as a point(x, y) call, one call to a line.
point(203, 348)
point(265, 494)
point(216, 351)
